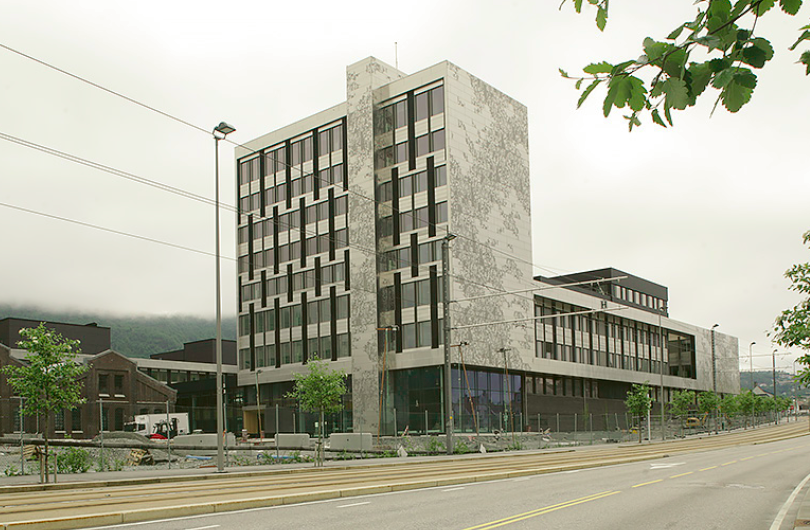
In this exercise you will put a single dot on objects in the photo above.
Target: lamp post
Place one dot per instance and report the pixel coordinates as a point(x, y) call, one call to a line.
point(714, 363)
point(219, 133)
point(448, 393)
point(751, 362)
point(259, 405)
point(661, 344)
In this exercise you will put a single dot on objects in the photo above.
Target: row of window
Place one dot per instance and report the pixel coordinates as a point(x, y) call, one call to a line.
point(419, 335)
point(413, 219)
point(413, 294)
point(607, 340)
point(176, 376)
point(292, 316)
point(104, 385)
point(300, 280)
point(401, 258)
point(637, 298)
point(397, 154)
point(329, 141)
point(394, 116)
point(411, 184)
point(293, 352)
point(292, 251)
point(555, 385)
point(300, 185)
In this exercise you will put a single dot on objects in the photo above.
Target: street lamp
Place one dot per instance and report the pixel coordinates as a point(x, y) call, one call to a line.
point(751, 362)
point(448, 393)
point(259, 405)
point(219, 133)
point(714, 363)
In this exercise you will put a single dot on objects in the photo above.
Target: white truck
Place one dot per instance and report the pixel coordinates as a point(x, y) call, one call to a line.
point(159, 425)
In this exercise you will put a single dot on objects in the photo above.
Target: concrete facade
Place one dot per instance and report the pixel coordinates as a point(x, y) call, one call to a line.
point(422, 156)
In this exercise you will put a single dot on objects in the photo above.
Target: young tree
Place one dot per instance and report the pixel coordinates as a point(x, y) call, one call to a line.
point(320, 390)
point(48, 381)
point(723, 33)
point(792, 327)
point(682, 401)
point(638, 403)
point(745, 402)
point(708, 402)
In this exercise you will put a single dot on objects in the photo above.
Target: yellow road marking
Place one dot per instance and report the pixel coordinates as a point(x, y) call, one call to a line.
point(682, 474)
point(747, 458)
point(647, 483)
point(708, 468)
point(541, 511)
point(729, 463)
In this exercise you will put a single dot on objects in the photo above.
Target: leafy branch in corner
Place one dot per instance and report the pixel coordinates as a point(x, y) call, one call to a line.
point(731, 51)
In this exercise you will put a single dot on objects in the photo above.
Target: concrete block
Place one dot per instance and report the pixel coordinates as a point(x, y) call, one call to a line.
point(292, 441)
point(350, 441)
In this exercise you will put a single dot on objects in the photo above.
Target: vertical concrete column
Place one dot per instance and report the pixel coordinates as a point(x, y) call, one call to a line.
point(361, 80)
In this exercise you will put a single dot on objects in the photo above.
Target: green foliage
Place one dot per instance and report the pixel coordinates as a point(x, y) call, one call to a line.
point(721, 37)
point(638, 401)
point(460, 448)
point(745, 402)
point(682, 401)
point(11, 471)
point(792, 327)
point(320, 389)
point(48, 382)
point(74, 460)
point(708, 402)
point(434, 445)
point(730, 405)
point(515, 446)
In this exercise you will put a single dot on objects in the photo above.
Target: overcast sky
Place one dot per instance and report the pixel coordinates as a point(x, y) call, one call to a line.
point(714, 209)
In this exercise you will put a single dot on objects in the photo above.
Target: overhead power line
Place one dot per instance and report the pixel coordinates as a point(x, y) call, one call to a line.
point(110, 230)
point(251, 151)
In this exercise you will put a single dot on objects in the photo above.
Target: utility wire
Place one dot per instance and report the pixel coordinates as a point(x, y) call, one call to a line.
point(184, 193)
point(110, 230)
point(109, 91)
point(251, 151)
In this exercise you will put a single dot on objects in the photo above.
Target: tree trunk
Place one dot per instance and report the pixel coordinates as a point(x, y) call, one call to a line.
point(45, 436)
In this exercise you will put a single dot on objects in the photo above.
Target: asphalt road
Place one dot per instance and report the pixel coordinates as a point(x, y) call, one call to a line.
point(740, 488)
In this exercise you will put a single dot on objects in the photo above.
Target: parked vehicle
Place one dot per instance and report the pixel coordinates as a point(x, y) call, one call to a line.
point(159, 426)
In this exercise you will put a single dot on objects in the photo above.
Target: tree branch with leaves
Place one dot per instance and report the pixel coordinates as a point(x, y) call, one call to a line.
point(319, 390)
point(725, 33)
point(48, 382)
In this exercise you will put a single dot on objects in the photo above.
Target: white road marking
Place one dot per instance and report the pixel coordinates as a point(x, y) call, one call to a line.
point(520, 479)
point(777, 523)
point(455, 489)
point(355, 504)
point(204, 527)
point(666, 466)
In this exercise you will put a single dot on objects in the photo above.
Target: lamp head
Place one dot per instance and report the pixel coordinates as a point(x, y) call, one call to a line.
point(224, 129)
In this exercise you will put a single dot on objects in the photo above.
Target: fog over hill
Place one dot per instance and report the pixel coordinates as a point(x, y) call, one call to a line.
point(137, 335)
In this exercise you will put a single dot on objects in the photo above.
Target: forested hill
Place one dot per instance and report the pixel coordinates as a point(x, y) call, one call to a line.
point(137, 336)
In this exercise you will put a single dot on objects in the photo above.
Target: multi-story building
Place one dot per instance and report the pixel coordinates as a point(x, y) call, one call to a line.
point(342, 220)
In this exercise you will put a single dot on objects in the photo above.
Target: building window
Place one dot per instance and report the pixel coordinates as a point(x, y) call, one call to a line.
point(103, 385)
point(119, 419)
point(76, 420)
point(119, 385)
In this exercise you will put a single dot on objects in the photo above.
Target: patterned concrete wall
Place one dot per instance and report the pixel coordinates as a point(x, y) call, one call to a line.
point(727, 361)
point(488, 176)
point(361, 80)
